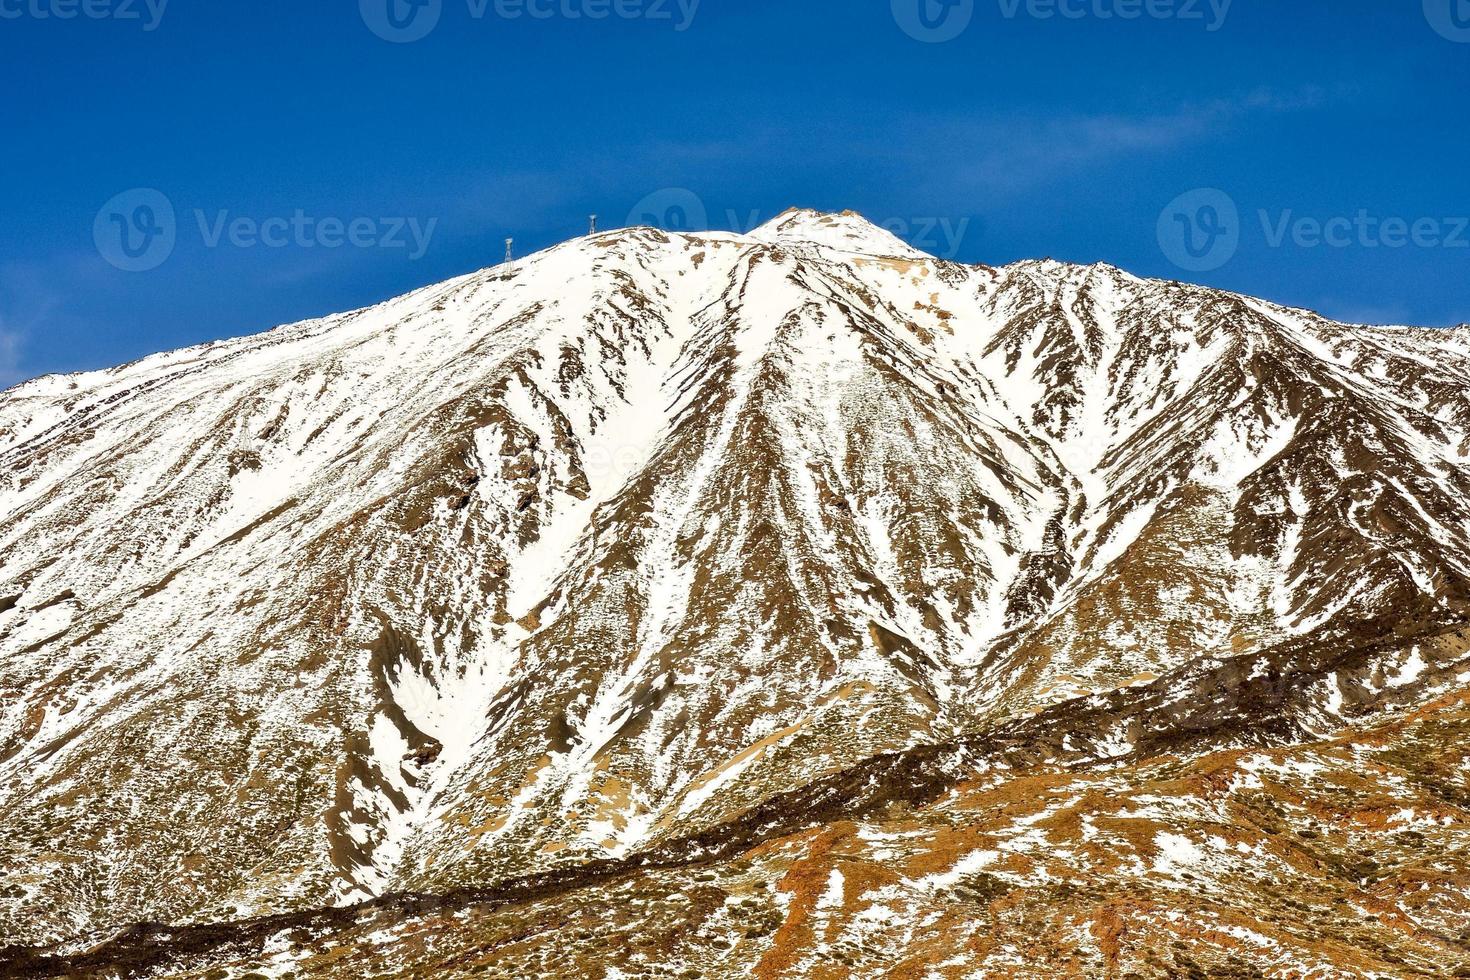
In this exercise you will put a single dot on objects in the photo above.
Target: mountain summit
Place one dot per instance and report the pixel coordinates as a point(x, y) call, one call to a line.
point(792, 602)
point(845, 232)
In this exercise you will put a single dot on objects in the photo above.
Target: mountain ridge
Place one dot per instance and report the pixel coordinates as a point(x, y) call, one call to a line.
point(565, 561)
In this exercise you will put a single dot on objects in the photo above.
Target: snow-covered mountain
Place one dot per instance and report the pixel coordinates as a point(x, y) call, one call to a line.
point(651, 550)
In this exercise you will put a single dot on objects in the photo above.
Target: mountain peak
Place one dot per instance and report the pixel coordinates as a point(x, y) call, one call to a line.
point(846, 231)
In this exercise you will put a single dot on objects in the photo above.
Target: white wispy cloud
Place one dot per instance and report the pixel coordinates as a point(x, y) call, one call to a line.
point(969, 155)
point(10, 344)
point(26, 300)
point(1020, 153)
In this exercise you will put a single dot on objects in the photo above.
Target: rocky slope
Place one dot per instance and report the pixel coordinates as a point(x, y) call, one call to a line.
point(784, 582)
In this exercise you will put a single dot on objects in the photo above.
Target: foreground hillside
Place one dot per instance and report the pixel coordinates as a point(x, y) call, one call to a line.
point(1345, 857)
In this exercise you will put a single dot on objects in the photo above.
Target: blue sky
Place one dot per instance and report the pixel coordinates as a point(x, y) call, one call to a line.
point(985, 130)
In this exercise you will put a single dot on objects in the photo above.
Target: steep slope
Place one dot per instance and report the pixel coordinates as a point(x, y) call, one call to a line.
point(579, 558)
point(1340, 858)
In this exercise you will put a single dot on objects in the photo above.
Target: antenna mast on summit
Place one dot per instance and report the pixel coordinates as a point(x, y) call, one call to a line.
point(592, 224)
point(509, 247)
